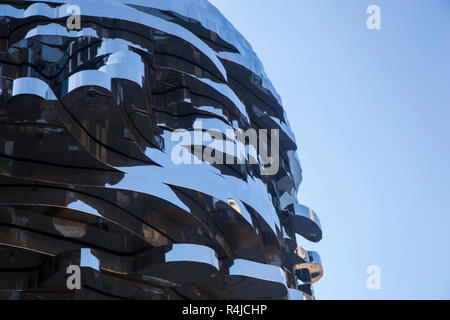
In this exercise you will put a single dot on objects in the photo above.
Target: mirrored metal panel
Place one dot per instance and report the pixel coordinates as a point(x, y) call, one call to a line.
point(144, 154)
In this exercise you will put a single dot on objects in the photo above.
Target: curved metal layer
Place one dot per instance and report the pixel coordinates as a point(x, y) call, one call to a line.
point(305, 222)
point(32, 86)
point(310, 270)
point(307, 289)
point(244, 279)
point(136, 146)
point(185, 263)
point(252, 280)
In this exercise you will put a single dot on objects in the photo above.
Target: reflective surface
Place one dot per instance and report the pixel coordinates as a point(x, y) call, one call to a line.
point(87, 176)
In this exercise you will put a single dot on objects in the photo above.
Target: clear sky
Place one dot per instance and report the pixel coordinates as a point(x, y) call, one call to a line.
point(371, 113)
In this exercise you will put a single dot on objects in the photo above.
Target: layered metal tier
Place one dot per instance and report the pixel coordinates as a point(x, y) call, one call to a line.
point(88, 116)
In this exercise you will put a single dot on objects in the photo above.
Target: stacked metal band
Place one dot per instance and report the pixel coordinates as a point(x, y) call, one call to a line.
point(86, 174)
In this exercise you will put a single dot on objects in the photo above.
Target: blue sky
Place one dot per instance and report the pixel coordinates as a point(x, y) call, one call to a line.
point(371, 112)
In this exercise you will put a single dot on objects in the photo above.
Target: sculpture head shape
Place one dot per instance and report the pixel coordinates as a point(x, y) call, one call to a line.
point(148, 133)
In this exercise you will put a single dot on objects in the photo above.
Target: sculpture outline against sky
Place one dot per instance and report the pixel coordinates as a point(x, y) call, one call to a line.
point(87, 179)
